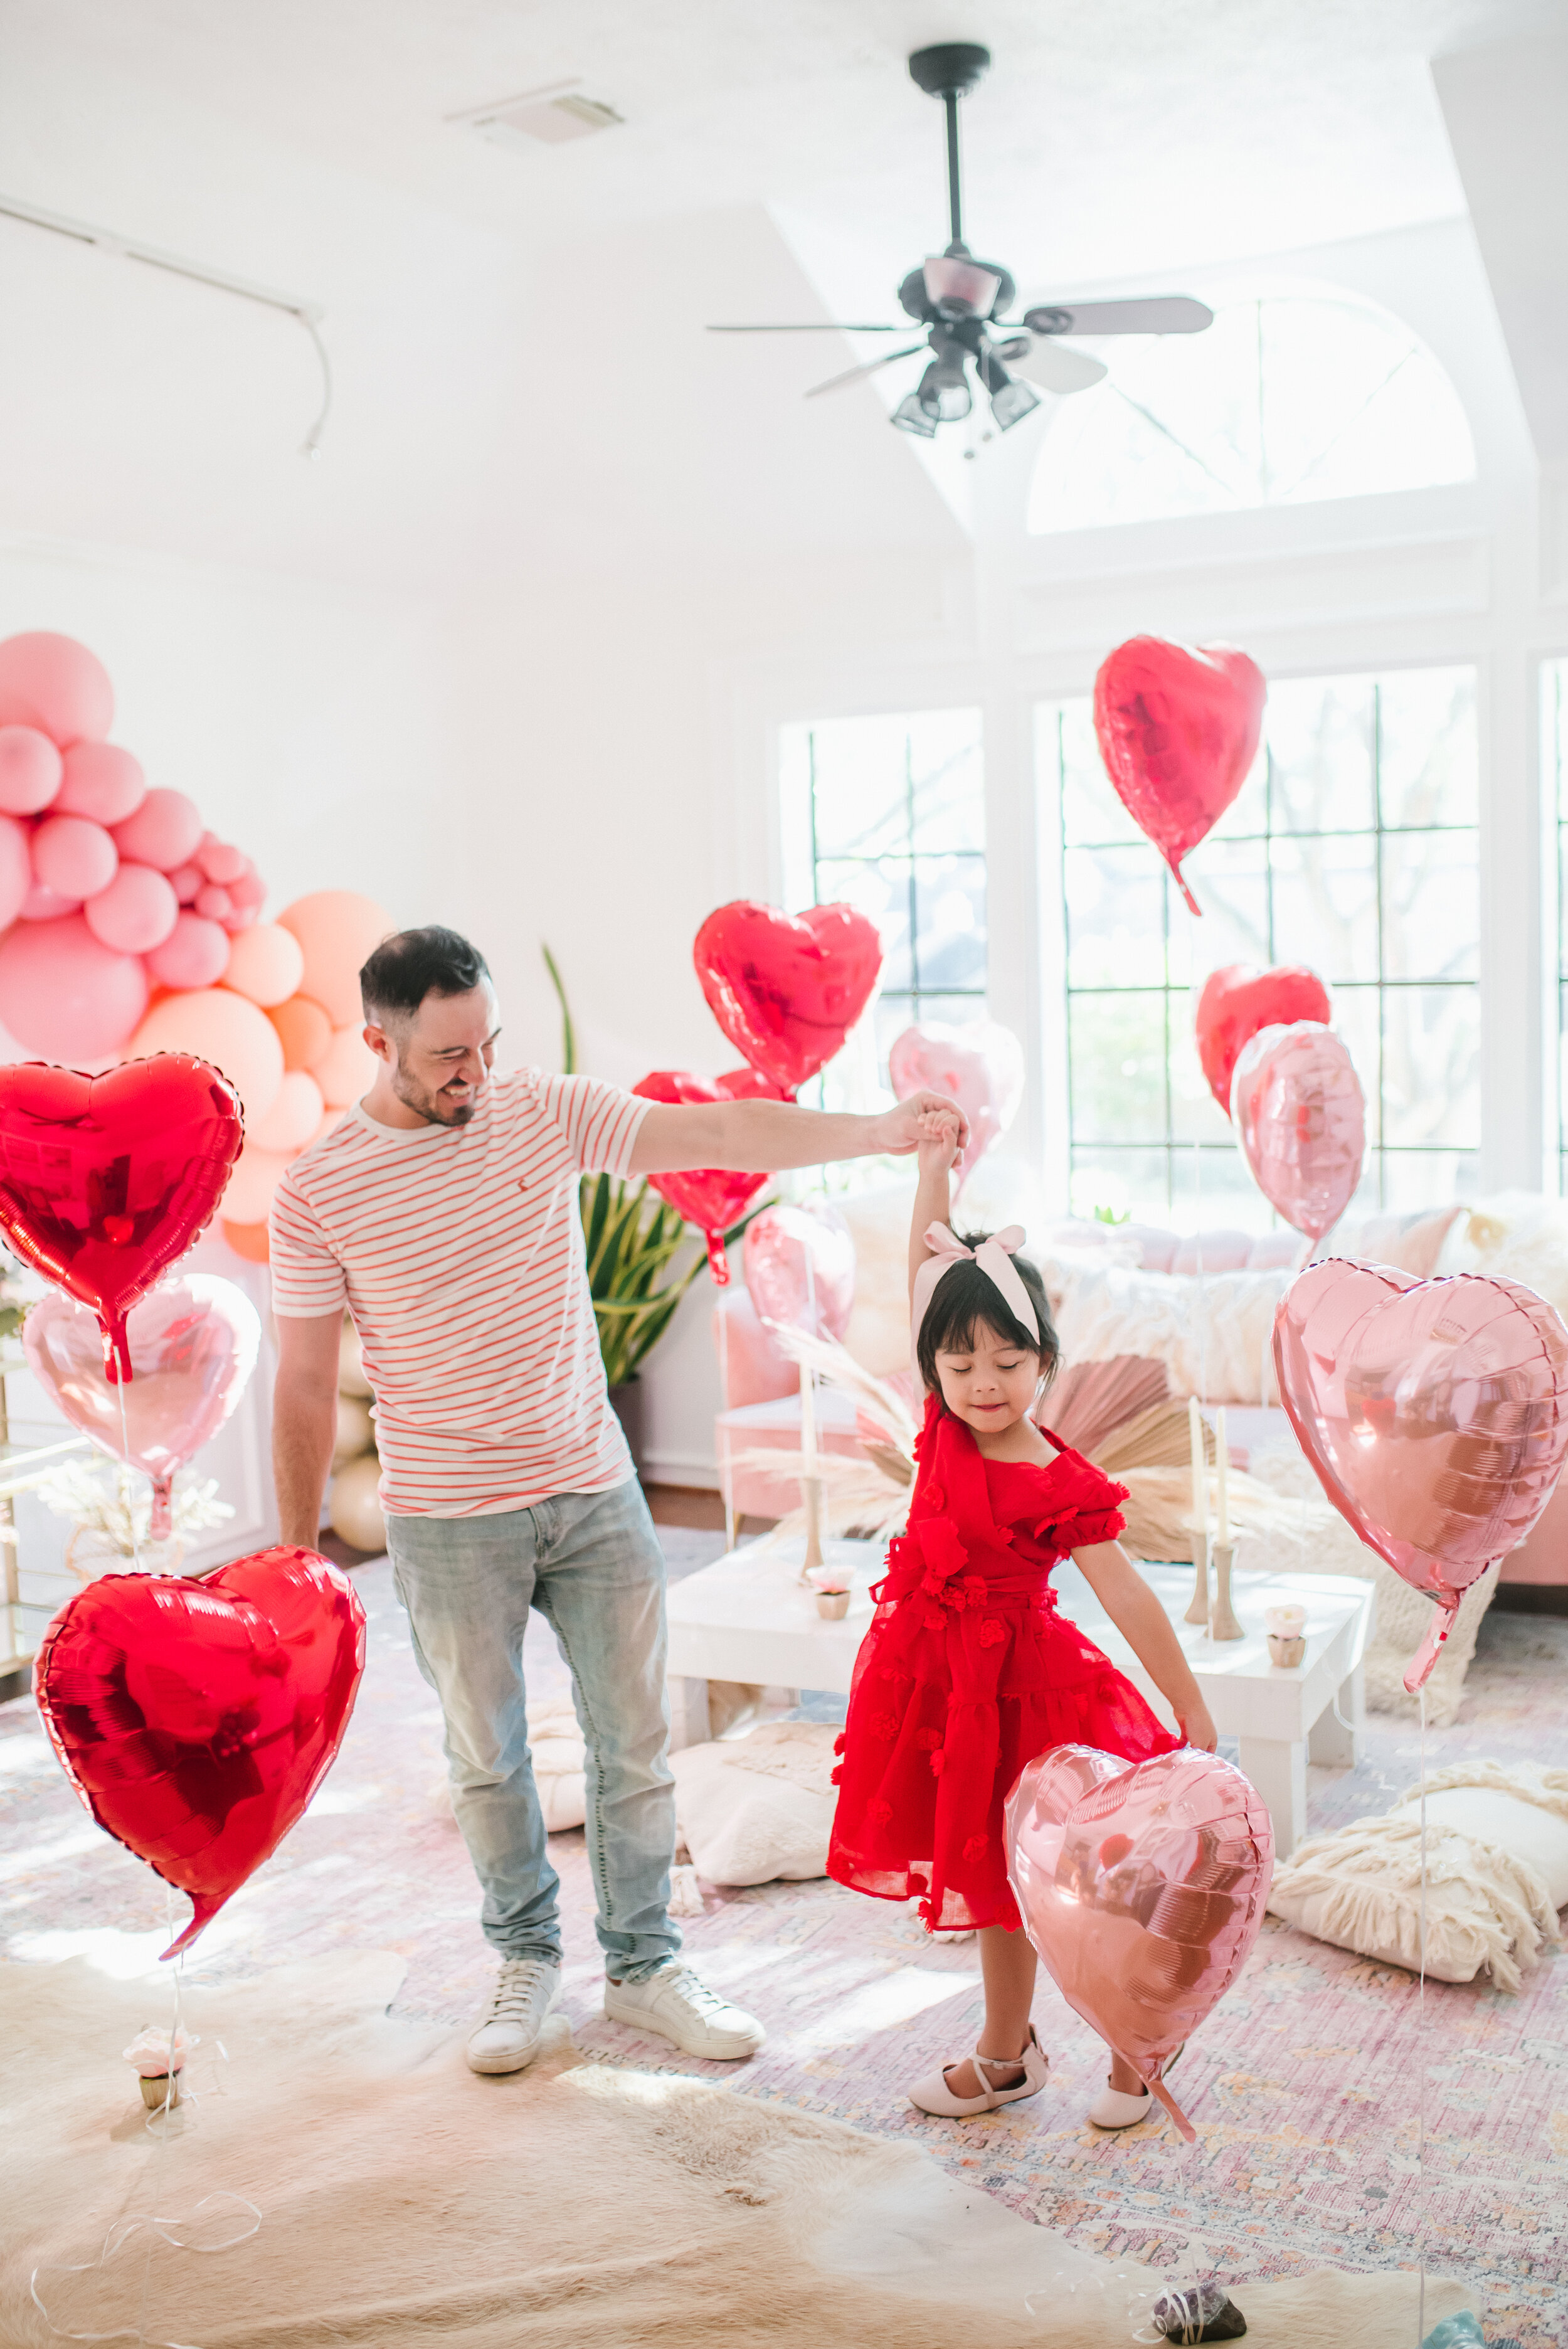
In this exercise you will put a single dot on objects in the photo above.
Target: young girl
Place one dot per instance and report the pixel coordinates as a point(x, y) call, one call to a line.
point(968, 1669)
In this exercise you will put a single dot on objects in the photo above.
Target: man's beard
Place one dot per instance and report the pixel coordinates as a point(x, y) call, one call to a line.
point(430, 1105)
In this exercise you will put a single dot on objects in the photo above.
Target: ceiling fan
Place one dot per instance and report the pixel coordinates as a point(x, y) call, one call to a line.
point(958, 300)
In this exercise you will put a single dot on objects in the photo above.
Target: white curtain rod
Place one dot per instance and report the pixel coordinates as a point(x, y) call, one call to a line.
point(131, 248)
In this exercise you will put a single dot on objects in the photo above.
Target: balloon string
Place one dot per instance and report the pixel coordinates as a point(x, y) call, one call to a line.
point(1421, 2035)
point(726, 1473)
point(125, 1474)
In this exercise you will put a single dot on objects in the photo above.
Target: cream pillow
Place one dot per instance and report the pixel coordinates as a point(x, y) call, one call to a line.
point(754, 1808)
point(555, 1743)
point(1497, 1873)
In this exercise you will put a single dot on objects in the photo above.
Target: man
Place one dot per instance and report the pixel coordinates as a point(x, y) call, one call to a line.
point(442, 1212)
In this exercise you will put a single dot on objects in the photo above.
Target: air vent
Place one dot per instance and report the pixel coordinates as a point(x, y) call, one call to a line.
point(545, 116)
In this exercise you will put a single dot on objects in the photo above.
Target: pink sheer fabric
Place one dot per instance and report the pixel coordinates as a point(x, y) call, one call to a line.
point(969, 1671)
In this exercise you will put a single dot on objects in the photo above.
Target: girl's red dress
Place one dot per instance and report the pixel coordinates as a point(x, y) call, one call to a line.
point(968, 1671)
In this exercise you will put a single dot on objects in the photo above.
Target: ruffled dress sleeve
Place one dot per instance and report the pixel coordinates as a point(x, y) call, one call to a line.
point(1085, 1507)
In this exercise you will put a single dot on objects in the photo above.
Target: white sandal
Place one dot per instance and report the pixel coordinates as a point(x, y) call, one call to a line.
point(1113, 2108)
point(933, 2095)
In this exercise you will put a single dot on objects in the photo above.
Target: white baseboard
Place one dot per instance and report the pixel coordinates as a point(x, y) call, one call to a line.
point(671, 1468)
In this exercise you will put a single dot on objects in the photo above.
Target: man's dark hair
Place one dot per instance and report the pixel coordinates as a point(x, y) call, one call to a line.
point(412, 964)
point(967, 1294)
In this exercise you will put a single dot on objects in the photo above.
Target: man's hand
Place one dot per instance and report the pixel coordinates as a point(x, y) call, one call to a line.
point(897, 1130)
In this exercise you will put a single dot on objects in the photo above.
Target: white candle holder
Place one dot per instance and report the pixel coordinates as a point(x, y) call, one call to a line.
point(1223, 1623)
point(1198, 1608)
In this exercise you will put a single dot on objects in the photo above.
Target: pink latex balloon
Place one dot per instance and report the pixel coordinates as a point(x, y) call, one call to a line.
point(234, 1035)
point(257, 1174)
point(1178, 730)
point(220, 861)
point(291, 1123)
point(30, 769)
point(336, 930)
point(15, 869)
point(102, 781)
point(215, 904)
point(265, 964)
point(800, 1268)
point(42, 905)
point(1301, 1120)
point(1434, 1411)
point(74, 856)
point(185, 880)
point(346, 1070)
point(1142, 1887)
point(163, 830)
point(980, 1066)
point(57, 685)
point(136, 913)
point(193, 1345)
point(249, 892)
point(64, 995)
point(194, 954)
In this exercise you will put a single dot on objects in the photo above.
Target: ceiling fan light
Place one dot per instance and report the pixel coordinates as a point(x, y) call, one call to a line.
point(910, 417)
point(1011, 400)
point(944, 392)
point(959, 287)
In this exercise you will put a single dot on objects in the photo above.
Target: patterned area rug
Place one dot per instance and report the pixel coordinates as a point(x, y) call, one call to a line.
point(1306, 2087)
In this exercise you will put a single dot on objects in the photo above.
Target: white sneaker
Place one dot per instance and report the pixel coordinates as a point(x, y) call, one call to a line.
point(676, 2005)
point(512, 2024)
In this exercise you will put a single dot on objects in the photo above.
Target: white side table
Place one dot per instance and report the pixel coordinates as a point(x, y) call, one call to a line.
point(747, 1616)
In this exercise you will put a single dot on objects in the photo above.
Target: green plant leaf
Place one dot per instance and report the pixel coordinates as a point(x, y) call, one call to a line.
point(568, 1035)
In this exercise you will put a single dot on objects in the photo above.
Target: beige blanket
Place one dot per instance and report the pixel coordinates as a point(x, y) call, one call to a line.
point(407, 2201)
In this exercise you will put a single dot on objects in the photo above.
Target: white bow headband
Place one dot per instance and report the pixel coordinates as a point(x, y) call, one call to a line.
point(994, 1259)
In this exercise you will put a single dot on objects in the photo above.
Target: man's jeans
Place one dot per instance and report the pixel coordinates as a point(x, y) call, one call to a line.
point(592, 1565)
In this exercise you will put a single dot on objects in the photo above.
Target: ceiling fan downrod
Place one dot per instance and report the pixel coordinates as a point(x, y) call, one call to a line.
point(949, 71)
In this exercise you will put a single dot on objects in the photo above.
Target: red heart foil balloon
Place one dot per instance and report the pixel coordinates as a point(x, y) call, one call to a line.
point(1434, 1411)
point(1178, 730)
point(105, 1182)
point(1300, 1117)
point(801, 1269)
point(787, 988)
point(980, 1066)
point(193, 1346)
point(197, 1716)
point(1142, 1887)
point(712, 1197)
point(1238, 1001)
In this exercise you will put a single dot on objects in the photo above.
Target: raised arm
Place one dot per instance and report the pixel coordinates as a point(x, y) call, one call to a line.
point(764, 1137)
point(304, 1421)
point(939, 1144)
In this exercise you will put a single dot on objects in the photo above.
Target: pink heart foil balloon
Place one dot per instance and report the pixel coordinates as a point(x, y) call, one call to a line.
point(193, 1345)
point(1142, 1887)
point(801, 1269)
point(1300, 1117)
point(980, 1066)
point(1178, 730)
point(1434, 1411)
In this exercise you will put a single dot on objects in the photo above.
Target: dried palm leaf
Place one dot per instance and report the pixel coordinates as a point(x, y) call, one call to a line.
point(1160, 1438)
point(1159, 1510)
point(837, 1367)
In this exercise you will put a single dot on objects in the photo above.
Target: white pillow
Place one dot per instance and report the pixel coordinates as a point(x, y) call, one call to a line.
point(1497, 1872)
point(555, 1743)
point(754, 1808)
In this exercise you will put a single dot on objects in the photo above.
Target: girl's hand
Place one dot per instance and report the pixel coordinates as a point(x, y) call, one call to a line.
point(938, 1142)
point(1197, 1727)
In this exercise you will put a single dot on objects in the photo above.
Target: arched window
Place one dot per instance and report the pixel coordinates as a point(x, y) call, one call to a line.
point(1284, 400)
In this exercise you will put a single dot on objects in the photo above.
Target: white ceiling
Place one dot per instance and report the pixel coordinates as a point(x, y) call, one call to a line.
point(302, 142)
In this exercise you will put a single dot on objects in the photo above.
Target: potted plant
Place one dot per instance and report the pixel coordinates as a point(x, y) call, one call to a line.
point(634, 1243)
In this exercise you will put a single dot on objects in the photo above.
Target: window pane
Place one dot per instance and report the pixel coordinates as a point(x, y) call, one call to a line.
point(1248, 812)
point(1115, 900)
point(1427, 763)
point(1429, 1179)
point(1234, 880)
point(947, 780)
point(879, 889)
point(1195, 1114)
point(1118, 1047)
point(1320, 737)
point(861, 798)
point(1125, 1182)
point(1090, 809)
point(1325, 904)
point(1214, 1186)
point(1431, 905)
point(950, 912)
point(1431, 1066)
point(1359, 1017)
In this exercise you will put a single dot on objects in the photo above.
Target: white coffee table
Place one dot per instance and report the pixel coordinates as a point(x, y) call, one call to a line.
point(748, 1617)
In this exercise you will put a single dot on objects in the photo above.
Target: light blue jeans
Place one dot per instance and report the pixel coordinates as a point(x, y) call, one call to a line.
point(592, 1565)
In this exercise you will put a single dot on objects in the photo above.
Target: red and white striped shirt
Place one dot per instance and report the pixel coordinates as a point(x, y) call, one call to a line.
point(458, 1251)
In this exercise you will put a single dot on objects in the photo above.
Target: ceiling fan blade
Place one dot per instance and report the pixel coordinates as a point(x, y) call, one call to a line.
point(855, 374)
point(1156, 314)
point(1057, 367)
point(815, 327)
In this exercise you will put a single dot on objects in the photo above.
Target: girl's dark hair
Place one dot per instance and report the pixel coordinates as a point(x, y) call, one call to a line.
point(412, 964)
point(966, 1295)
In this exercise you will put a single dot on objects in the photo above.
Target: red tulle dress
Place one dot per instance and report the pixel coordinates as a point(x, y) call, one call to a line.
point(968, 1670)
